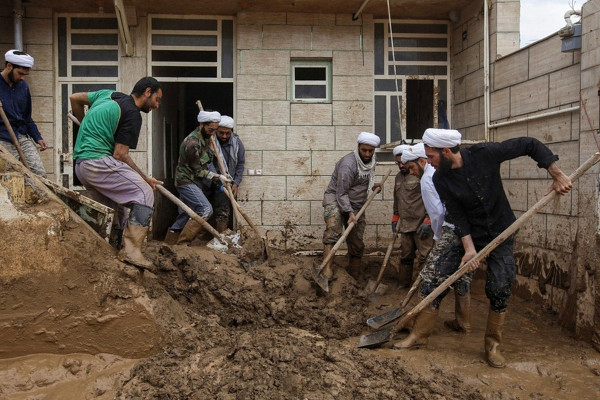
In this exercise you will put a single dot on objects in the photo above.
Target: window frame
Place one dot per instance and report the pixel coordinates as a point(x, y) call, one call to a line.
point(327, 82)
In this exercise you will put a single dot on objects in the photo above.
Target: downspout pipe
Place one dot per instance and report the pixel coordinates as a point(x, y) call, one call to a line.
point(18, 24)
point(486, 70)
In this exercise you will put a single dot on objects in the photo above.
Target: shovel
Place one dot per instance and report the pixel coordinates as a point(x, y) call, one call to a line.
point(395, 313)
point(13, 136)
point(378, 338)
point(322, 281)
point(372, 286)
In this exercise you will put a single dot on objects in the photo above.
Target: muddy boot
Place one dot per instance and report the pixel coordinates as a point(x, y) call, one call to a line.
point(423, 328)
point(354, 267)
point(221, 225)
point(171, 237)
point(191, 229)
point(406, 272)
point(131, 253)
point(493, 338)
point(328, 269)
point(462, 314)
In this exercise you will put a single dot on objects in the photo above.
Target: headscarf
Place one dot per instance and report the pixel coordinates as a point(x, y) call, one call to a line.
point(400, 149)
point(20, 58)
point(413, 153)
point(441, 138)
point(209, 116)
point(368, 138)
point(226, 122)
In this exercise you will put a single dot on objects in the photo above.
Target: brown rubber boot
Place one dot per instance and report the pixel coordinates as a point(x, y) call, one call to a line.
point(191, 229)
point(493, 338)
point(423, 328)
point(171, 237)
point(462, 314)
point(406, 272)
point(131, 253)
point(354, 266)
point(328, 269)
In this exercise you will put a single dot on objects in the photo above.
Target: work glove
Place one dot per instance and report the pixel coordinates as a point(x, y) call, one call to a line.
point(395, 219)
point(424, 230)
point(224, 179)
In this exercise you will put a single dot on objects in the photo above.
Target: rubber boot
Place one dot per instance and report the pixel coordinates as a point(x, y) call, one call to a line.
point(406, 272)
point(462, 314)
point(191, 229)
point(221, 225)
point(328, 269)
point(131, 253)
point(493, 338)
point(354, 266)
point(423, 328)
point(171, 237)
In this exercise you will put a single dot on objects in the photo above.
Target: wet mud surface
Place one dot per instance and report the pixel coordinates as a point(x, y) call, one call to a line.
point(229, 331)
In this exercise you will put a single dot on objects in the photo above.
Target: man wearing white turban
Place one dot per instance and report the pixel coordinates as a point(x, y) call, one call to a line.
point(443, 260)
point(410, 219)
point(233, 155)
point(468, 182)
point(195, 172)
point(16, 102)
point(352, 179)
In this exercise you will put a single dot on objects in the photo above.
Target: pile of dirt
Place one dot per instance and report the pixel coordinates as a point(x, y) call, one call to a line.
point(78, 324)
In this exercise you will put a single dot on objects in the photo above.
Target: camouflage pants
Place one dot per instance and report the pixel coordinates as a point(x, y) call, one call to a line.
point(443, 260)
point(31, 153)
point(335, 224)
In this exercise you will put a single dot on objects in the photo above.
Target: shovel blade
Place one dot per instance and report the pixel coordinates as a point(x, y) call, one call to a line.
point(375, 339)
point(320, 279)
point(385, 318)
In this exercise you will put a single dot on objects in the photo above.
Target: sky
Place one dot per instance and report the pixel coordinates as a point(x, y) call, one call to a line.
point(540, 18)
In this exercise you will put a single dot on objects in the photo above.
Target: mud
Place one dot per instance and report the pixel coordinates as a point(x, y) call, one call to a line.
point(77, 324)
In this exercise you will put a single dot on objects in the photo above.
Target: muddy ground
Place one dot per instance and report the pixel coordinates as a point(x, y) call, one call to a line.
point(266, 332)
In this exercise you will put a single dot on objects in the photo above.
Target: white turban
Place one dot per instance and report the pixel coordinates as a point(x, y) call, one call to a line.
point(226, 122)
point(17, 57)
point(441, 138)
point(399, 149)
point(209, 116)
point(413, 153)
point(368, 138)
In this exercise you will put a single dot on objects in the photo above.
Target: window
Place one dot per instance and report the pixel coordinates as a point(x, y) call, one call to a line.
point(410, 80)
point(311, 81)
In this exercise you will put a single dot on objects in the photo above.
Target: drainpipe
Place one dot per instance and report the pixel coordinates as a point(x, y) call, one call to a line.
point(486, 70)
point(18, 11)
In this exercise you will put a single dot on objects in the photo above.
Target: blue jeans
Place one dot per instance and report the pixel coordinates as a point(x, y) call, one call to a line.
point(193, 197)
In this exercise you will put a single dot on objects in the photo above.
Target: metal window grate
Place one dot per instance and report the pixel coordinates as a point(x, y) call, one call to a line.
point(412, 50)
point(191, 48)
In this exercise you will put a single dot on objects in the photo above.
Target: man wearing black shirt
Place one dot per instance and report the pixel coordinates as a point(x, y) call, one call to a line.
point(469, 184)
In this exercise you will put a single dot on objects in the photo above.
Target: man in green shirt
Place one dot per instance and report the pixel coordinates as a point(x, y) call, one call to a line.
point(104, 166)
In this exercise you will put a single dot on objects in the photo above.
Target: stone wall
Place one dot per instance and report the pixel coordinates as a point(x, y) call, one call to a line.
point(296, 145)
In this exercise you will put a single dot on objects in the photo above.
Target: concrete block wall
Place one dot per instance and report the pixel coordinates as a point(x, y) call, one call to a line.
point(37, 41)
point(296, 145)
point(468, 58)
point(557, 250)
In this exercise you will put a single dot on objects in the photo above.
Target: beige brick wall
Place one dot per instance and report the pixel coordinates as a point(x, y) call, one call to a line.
point(297, 144)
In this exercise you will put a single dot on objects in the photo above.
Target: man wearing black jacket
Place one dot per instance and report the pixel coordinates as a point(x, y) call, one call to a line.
point(469, 184)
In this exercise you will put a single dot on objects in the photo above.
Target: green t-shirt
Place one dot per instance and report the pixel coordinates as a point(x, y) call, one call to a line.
point(112, 118)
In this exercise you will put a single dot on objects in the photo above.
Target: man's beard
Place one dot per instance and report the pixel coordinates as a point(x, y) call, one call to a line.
point(420, 170)
point(11, 76)
point(445, 164)
point(365, 160)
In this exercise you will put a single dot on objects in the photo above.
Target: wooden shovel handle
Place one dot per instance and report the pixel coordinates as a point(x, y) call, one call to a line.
point(351, 224)
point(388, 253)
point(493, 244)
point(189, 211)
point(13, 136)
